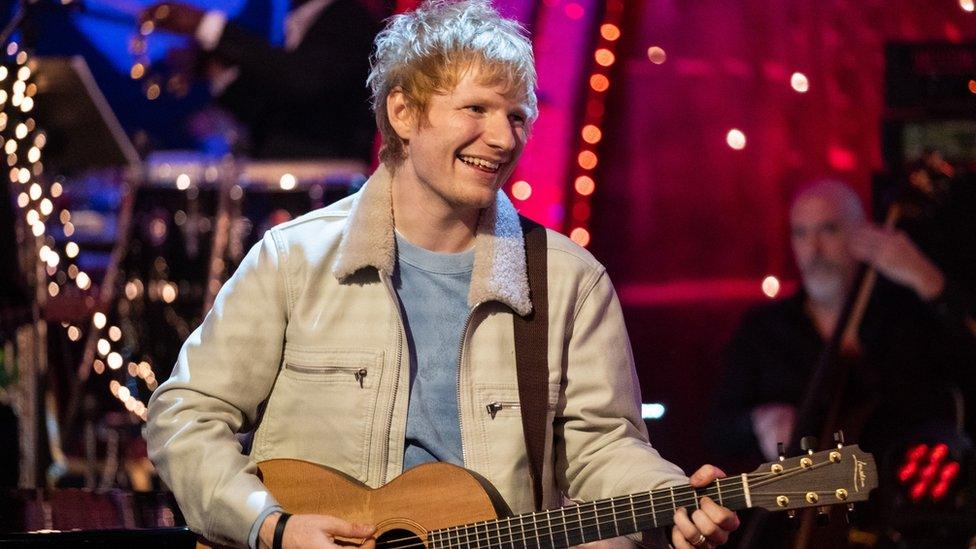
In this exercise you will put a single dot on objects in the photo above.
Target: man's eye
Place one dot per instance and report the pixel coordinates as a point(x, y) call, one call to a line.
point(477, 109)
point(518, 119)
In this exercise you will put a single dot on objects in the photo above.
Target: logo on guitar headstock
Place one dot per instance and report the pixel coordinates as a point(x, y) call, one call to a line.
point(860, 478)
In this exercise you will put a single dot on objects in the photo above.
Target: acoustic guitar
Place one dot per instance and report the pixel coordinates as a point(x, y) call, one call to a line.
point(439, 505)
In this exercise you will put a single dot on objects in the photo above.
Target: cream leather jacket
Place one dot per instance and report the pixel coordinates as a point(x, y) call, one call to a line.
point(305, 344)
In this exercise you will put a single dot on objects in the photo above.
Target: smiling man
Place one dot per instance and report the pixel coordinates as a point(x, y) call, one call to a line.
point(377, 334)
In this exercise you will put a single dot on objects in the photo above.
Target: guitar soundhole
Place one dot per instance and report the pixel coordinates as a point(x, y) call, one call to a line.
point(399, 539)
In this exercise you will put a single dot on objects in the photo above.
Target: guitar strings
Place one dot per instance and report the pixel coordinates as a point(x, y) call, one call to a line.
point(505, 526)
point(466, 530)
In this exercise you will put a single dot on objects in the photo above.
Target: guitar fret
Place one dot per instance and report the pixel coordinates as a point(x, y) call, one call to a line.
point(674, 504)
point(697, 503)
point(718, 489)
point(525, 542)
point(565, 530)
point(583, 535)
point(633, 513)
point(596, 519)
point(552, 542)
point(650, 497)
point(613, 517)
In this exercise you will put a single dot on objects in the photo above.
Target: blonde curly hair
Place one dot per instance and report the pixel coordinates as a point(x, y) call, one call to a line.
point(428, 50)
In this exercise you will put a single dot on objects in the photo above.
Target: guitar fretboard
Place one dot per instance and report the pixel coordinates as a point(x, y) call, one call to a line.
point(591, 521)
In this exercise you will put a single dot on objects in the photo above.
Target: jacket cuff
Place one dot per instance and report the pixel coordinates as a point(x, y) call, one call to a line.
point(252, 538)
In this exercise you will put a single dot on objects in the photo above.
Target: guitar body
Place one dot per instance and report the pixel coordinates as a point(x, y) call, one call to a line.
point(425, 498)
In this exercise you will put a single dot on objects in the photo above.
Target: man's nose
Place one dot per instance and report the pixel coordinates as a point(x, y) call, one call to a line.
point(499, 134)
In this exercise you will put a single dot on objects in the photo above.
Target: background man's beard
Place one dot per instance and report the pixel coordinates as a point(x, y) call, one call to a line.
point(825, 282)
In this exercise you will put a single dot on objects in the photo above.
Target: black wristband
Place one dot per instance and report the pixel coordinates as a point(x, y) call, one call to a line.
point(279, 533)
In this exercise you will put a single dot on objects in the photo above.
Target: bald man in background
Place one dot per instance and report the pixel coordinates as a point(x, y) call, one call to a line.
point(913, 352)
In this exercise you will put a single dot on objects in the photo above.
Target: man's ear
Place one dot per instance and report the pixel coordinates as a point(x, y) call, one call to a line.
point(401, 113)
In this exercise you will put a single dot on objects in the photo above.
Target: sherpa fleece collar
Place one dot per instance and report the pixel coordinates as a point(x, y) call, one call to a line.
point(499, 257)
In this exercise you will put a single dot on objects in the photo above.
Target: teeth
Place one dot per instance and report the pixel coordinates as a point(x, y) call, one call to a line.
point(479, 162)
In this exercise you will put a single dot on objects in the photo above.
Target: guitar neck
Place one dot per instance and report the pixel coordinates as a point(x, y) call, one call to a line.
point(593, 520)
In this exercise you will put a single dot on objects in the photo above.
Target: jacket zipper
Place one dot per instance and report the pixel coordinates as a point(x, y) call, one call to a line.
point(464, 339)
point(358, 373)
point(496, 406)
point(396, 376)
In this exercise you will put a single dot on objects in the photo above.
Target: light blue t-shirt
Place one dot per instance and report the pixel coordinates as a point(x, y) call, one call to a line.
point(433, 289)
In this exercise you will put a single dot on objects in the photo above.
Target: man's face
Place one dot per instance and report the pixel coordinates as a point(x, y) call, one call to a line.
point(468, 145)
point(820, 238)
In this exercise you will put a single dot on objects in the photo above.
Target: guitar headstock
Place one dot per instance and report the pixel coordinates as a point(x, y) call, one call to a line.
point(838, 476)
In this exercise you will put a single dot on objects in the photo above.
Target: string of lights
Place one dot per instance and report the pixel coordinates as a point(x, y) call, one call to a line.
point(591, 129)
point(23, 143)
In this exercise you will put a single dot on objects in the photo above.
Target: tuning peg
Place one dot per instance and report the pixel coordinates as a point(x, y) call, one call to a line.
point(850, 515)
point(823, 516)
point(839, 439)
point(808, 444)
point(781, 451)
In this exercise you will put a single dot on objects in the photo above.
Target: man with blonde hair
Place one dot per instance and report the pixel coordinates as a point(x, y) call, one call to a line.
point(377, 333)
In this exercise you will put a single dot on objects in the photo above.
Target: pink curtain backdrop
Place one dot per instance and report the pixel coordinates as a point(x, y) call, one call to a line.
point(687, 226)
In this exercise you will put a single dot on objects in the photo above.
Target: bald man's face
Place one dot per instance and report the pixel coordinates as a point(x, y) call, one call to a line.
point(820, 235)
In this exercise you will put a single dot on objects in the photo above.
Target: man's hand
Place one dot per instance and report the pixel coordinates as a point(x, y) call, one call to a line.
point(895, 256)
point(773, 423)
point(318, 531)
point(173, 17)
point(707, 526)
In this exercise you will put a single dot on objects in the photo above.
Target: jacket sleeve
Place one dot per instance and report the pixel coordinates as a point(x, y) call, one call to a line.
point(224, 372)
point(602, 447)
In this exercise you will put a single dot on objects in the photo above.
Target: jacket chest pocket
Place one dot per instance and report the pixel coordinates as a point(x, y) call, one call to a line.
point(337, 374)
point(322, 408)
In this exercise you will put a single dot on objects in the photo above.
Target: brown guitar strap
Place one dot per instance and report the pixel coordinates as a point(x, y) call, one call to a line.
point(531, 353)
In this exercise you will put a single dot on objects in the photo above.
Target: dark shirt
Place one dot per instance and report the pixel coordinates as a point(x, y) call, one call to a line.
point(913, 354)
point(900, 388)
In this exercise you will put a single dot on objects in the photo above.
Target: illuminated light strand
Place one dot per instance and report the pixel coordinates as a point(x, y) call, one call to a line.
point(23, 143)
point(590, 134)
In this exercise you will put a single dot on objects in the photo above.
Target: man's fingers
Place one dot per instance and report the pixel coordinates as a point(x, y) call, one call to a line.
point(337, 527)
point(705, 474)
point(724, 517)
point(709, 529)
point(684, 531)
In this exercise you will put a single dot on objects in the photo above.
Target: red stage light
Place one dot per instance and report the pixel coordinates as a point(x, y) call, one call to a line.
point(949, 472)
point(918, 491)
point(938, 453)
point(907, 472)
point(581, 211)
point(916, 452)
